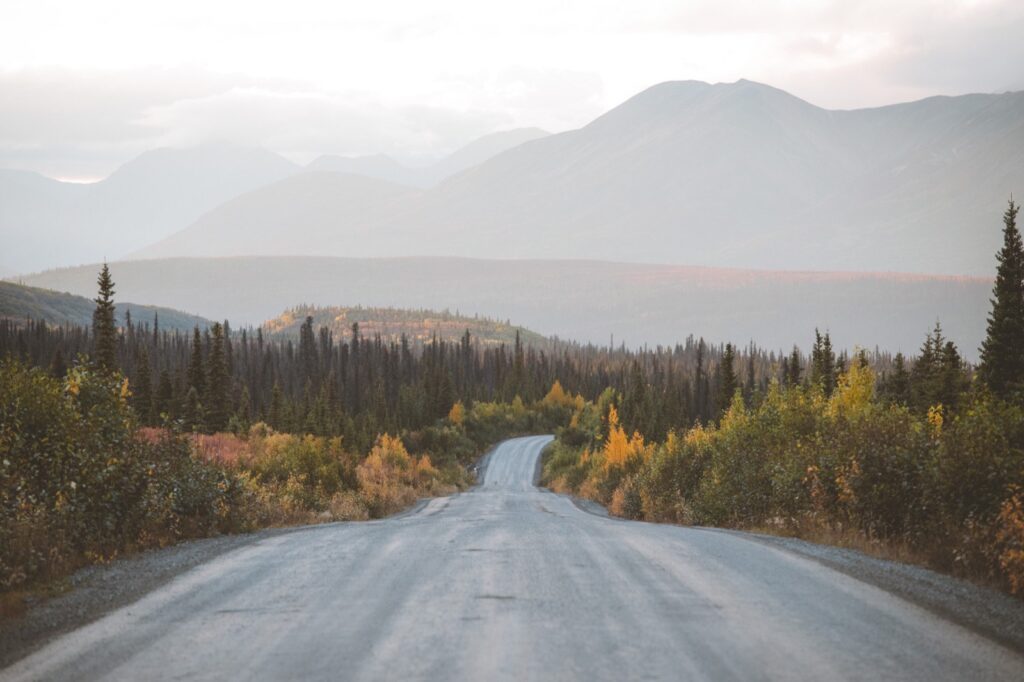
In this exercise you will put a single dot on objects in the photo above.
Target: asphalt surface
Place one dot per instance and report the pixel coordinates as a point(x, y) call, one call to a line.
point(509, 582)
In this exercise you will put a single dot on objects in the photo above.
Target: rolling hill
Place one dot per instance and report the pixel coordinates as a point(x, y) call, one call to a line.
point(688, 172)
point(418, 326)
point(587, 301)
point(18, 302)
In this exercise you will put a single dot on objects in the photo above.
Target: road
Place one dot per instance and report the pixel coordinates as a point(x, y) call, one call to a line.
point(509, 582)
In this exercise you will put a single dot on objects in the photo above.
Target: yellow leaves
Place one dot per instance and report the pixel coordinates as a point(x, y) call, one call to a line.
point(457, 415)
point(854, 392)
point(125, 390)
point(618, 448)
point(1010, 537)
point(557, 397)
point(935, 420)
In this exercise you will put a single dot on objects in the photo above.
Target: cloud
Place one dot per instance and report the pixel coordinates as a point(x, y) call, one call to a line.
point(306, 124)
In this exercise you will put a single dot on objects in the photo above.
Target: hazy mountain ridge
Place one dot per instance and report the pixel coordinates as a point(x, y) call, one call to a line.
point(383, 167)
point(740, 174)
point(46, 223)
point(586, 301)
point(18, 302)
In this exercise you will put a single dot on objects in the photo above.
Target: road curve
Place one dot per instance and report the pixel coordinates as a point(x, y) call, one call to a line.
point(509, 582)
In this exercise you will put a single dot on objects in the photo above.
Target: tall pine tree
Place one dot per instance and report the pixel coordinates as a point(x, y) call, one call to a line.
point(1002, 352)
point(217, 401)
point(103, 326)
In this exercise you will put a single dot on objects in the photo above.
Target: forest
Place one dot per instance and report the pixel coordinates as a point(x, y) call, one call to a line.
point(125, 434)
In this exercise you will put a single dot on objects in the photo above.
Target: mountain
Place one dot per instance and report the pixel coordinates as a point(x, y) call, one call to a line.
point(316, 201)
point(688, 172)
point(418, 326)
point(18, 302)
point(588, 301)
point(383, 167)
point(44, 223)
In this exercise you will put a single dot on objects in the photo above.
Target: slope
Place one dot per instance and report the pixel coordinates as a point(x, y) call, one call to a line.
point(686, 172)
point(18, 303)
point(588, 301)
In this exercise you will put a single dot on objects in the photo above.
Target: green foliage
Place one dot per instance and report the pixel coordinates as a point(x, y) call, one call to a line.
point(77, 483)
point(939, 482)
point(1002, 352)
point(103, 325)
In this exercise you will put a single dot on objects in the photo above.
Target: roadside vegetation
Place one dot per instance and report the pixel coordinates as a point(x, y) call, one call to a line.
point(124, 435)
point(922, 462)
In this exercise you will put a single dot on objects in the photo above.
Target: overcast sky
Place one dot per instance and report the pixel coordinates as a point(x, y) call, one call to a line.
point(86, 85)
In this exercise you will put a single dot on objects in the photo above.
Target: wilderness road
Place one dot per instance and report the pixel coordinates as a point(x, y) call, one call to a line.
point(510, 582)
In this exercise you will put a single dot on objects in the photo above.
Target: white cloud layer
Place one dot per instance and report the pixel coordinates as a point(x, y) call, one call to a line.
point(86, 85)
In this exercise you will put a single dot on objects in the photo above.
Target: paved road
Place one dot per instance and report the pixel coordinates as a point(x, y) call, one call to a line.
point(509, 582)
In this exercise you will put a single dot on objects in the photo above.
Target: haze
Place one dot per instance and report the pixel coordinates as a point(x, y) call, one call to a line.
point(88, 86)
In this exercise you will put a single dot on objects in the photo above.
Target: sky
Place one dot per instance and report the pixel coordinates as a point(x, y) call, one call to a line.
point(86, 86)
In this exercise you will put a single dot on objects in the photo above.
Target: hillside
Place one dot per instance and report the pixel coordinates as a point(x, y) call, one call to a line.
point(688, 172)
point(418, 326)
point(587, 301)
point(46, 223)
point(19, 302)
point(383, 167)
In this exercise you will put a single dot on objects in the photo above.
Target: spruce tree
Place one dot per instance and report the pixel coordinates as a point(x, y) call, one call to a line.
point(103, 326)
point(196, 372)
point(218, 384)
point(897, 384)
point(1002, 352)
point(58, 367)
point(163, 406)
point(142, 390)
point(727, 383)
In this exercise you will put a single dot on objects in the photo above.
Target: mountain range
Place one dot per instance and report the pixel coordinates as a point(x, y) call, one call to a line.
point(47, 223)
point(738, 174)
point(587, 301)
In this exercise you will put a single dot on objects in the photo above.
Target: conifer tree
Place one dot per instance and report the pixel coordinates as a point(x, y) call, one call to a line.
point(193, 410)
point(823, 363)
point(142, 390)
point(794, 368)
point(727, 379)
point(217, 400)
point(58, 367)
point(897, 384)
point(1002, 352)
point(164, 403)
point(103, 325)
point(196, 371)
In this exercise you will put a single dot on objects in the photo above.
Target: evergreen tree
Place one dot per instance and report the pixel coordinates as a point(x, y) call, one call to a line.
point(1002, 352)
point(217, 401)
point(896, 387)
point(196, 372)
point(823, 363)
point(727, 379)
point(58, 367)
point(142, 390)
point(276, 416)
point(794, 368)
point(307, 353)
point(164, 403)
point(104, 329)
point(193, 410)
